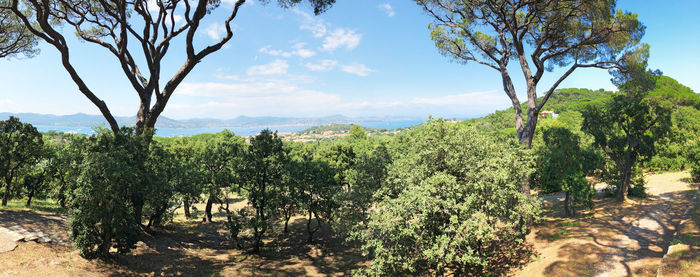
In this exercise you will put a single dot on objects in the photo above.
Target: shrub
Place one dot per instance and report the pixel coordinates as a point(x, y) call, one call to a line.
point(457, 202)
point(561, 167)
point(102, 210)
point(693, 154)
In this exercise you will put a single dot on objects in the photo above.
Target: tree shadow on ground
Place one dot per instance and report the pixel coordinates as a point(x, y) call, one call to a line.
point(290, 253)
point(49, 223)
point(624, 238)
point(162, 256)
point(195, 248)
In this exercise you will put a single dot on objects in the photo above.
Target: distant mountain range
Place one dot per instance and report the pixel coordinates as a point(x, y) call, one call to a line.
point(88, 120)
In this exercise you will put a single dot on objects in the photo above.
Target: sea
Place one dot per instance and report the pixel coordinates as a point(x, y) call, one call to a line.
point(241, 131)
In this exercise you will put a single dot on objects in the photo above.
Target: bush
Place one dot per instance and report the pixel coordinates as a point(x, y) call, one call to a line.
point(637, 183)
point(693, 154)
point(456, 204)
point(102, 210)
point(561, 167)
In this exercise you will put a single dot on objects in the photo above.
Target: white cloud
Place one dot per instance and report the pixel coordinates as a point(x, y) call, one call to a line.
point(153, 6)
point(267, 96)
point(341, 38)
point(177, 18)
point(324, 65)
point(316, 25)
point(256, 98)
point(299, 50)
point(276, 67)
point(303, 52)
point(388, 9)
point(215, 31)
point(356, 69)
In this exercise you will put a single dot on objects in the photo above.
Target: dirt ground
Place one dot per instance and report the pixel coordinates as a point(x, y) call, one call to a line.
point(683, 257)
point(613, 239)
point(183, 248)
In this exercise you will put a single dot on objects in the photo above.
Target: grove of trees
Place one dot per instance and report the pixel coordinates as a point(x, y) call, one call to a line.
point(439, 198)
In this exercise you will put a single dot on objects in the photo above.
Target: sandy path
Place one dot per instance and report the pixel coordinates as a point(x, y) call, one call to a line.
point(613, 240)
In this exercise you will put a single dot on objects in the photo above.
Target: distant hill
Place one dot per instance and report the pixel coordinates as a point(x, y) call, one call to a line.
point(88, 120)
point(575, 99)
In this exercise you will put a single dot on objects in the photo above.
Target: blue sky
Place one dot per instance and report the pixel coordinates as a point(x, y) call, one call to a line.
point(361, 58)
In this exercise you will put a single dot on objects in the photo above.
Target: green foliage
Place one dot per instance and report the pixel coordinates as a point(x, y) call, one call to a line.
point(626, 127)
point(21, 146)
point(316, 186)
point(165, 174)
point(102, 205)
point(188, 179)
point(263, 172)
point(218, 156)
point(567, 102)
point(35, 181)
point(456, 198)
point(668, 89)
point(357, 132)
point(15, 38)
point(685, 129)
point(69, 152)
point(693, 154)
point(560, 167)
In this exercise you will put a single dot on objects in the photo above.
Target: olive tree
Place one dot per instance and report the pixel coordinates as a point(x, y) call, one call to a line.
point(129, 30)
